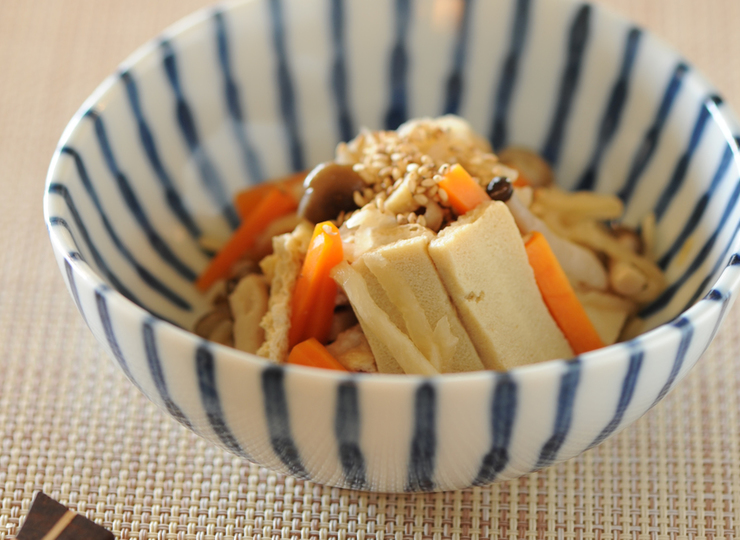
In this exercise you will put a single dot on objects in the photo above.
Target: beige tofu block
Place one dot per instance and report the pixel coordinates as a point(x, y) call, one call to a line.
point(483, 264)
point(403, 282)
point(384, 358)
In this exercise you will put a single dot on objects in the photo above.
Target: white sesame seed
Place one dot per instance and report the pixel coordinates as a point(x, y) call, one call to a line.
point(396, 173)
point(428, 182)
point(423, 170)
point(411, 167)
point(400, 219)
point(421, 199)
point(443, 195)
point(432, 191)
point(411, 182)
point(411, 218)
point(421, 220)
point(426, 160)
point(357, 167)
point(357, 197)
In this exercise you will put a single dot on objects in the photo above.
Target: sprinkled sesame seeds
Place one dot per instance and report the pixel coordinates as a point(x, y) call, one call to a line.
point(389, 161)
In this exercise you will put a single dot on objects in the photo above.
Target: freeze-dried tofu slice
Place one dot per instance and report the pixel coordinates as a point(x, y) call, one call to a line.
point(403, 281)
point(411, 360)
point(483, 264)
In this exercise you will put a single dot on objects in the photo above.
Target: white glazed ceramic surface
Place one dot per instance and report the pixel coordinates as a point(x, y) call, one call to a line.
point(234, 95)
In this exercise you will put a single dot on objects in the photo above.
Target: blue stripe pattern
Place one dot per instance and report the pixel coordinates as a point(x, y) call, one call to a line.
point(278, 421)
point(174, 201)
point(669, 292)
point(687, 333)
point(61, 190)
point(239, 120)
point(698, 211)
point(288, 105)
point(73, 288)
point(710, 276)
point(614, 109)
point(424, 441)
point(206, 370)
point(397, 112)
point(625, 395)
point(124, 187)
point(717, 296)
point(503, 415)
point(454, 86)
point(682, 167)
point(145, 275)
point(498, 133)
point(568, 84)
point(75, 254)
point(339, 83)
point(650, 141)
point(208, 173)
point(564, 415)
point(110, 335)
point(155, 368)
point(347, 431)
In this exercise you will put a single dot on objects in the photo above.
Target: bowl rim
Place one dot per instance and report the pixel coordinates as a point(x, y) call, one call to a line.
point(702, 309)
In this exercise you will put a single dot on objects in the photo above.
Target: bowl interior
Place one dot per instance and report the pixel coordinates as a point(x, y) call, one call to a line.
point(235, 96)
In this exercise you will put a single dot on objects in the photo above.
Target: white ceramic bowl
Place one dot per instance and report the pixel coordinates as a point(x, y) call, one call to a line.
point(234, 95)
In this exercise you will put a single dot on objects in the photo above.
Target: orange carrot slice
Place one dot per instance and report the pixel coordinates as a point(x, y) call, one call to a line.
point(247, 200)
point(315, 290)
point(274, 204)
point(560, 298)
point(314, 354)
point(463, 192)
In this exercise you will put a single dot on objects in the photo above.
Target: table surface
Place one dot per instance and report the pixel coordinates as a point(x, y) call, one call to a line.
point(72, 426)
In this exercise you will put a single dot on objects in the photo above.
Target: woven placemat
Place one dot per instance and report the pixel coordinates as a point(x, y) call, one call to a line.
point(72, 426)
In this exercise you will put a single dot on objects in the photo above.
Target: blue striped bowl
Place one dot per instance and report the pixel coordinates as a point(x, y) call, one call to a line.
point(234, 95)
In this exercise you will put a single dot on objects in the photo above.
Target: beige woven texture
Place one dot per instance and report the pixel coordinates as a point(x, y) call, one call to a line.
point(72, 426)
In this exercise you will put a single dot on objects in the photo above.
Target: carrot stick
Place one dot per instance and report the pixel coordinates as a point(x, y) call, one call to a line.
point(314, 354)
point(315, 290)
point(274, 204)
point(463, 192)
point(247, 200)
point(560, 298)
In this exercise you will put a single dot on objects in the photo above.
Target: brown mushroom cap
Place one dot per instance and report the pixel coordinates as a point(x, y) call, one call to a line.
point(329, 190)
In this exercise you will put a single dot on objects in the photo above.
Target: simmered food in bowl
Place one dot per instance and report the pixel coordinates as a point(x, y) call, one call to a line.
point(421, 251)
